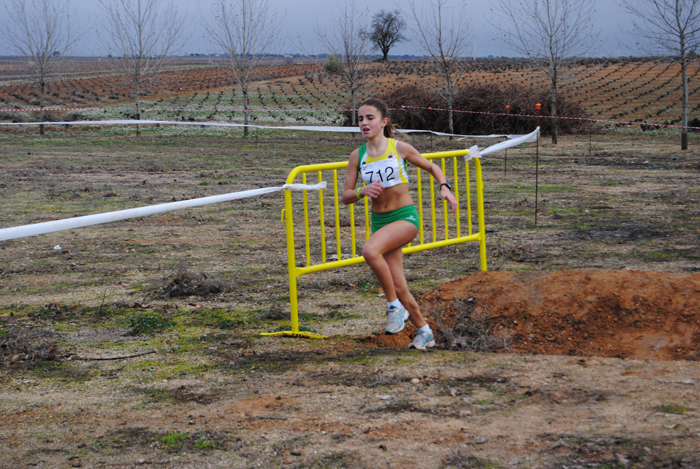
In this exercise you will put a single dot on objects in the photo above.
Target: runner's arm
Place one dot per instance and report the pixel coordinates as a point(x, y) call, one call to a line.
point(409, 153)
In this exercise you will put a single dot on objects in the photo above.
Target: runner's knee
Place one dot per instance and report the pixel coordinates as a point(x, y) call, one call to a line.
point(369, 253)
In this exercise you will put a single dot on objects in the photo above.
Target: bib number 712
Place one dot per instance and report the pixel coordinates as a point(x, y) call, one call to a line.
point(387, 176)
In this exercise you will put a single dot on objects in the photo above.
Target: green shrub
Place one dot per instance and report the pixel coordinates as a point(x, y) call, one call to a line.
point(332, 65)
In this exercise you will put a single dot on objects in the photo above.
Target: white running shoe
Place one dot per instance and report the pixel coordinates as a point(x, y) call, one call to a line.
point(395, 319)
point(423, 340)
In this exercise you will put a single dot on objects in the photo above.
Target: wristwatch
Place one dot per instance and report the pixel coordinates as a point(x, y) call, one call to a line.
point(445, 184)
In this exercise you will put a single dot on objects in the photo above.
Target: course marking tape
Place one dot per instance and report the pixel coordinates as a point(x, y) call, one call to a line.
point(100, 218)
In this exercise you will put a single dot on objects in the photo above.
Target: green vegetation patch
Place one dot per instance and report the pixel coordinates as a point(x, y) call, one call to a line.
point(170, 442)
point(173, 440)
point(672, 409)
point(149, 323)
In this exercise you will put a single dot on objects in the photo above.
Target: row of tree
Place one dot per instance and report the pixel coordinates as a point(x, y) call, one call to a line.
point(143, 33)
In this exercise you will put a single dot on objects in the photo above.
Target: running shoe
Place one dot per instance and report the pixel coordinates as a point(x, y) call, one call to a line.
point(395, 319)
point(423, 340)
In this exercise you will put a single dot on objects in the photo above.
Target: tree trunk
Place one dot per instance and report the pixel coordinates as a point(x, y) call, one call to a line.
point(450, 117)
point(138, 108)
point(450, 99)
point(352, 107)
point(554, 107)
point(684, 118)
point(245, 110)
point(386, 55)
point(42, 85)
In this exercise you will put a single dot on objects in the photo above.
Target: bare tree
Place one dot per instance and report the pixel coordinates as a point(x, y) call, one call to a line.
point(548, 33)
point(245, 30)
point(141, 34)
point(443, 33)
point(386, 30)
point(669, 26)
point(41, 32)
point(346, 39)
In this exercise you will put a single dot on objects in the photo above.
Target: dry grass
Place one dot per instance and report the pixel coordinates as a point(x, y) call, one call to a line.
point(29, 344)
point(471, 328)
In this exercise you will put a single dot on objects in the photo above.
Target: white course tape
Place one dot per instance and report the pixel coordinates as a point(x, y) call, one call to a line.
point(310, 128)
point(79, 222)
point(514, 141)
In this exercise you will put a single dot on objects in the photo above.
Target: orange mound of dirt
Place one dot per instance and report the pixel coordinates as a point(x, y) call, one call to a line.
point(626, 314)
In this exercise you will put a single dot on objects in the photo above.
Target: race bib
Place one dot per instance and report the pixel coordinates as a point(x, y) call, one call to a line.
point(385, 171)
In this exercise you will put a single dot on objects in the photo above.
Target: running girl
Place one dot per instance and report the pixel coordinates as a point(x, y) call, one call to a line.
point(381, 163)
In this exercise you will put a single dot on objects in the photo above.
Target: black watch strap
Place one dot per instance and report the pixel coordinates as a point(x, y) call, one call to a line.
point(446, 184)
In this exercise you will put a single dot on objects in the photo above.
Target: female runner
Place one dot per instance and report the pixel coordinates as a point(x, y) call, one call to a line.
point(381, 163)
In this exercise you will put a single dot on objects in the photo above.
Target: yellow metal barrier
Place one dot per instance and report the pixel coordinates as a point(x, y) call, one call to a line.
point(287, 214)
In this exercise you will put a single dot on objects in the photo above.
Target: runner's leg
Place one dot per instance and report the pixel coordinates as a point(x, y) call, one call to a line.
point(394, 260)
point(388, 238)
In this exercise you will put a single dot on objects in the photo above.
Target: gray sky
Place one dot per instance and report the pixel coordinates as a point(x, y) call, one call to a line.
point(301, 17)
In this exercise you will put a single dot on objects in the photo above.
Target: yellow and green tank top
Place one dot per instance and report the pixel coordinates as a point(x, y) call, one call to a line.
point(389, 169)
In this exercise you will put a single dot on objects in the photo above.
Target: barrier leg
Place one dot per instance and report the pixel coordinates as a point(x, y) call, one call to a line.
point(291, 261)
point(480, 214)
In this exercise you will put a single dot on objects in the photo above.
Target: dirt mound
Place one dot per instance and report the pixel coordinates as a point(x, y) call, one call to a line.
point(626, 314)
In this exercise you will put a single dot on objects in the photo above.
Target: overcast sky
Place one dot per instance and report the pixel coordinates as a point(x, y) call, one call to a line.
point(301, 16)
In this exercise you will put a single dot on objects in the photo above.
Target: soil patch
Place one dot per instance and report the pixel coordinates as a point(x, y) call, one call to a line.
point(624, 314)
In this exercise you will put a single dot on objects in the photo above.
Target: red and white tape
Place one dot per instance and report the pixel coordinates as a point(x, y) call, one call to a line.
point(607, 121)
point(53, 109)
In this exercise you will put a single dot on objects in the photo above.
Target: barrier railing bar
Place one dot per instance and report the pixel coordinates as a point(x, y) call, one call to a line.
point(480, 212)
point(323, 220)
point(352, 230)
point(469, 197)
point(456, 192)
point(420, 205)
point(367, 227)
point(432, 206)
point(444, 205)
point(337, 213)
point(306, 222)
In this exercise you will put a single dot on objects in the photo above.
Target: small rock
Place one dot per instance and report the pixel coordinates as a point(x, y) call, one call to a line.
point(622, 460)
point(142, 461)
point(479, 441)
point(384, 397)
point(382, 447)
point(689, 382)
point(415, 381)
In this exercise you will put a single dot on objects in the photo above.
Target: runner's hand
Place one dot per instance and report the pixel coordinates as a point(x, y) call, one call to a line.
point(373, 190)
point(446, 194)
